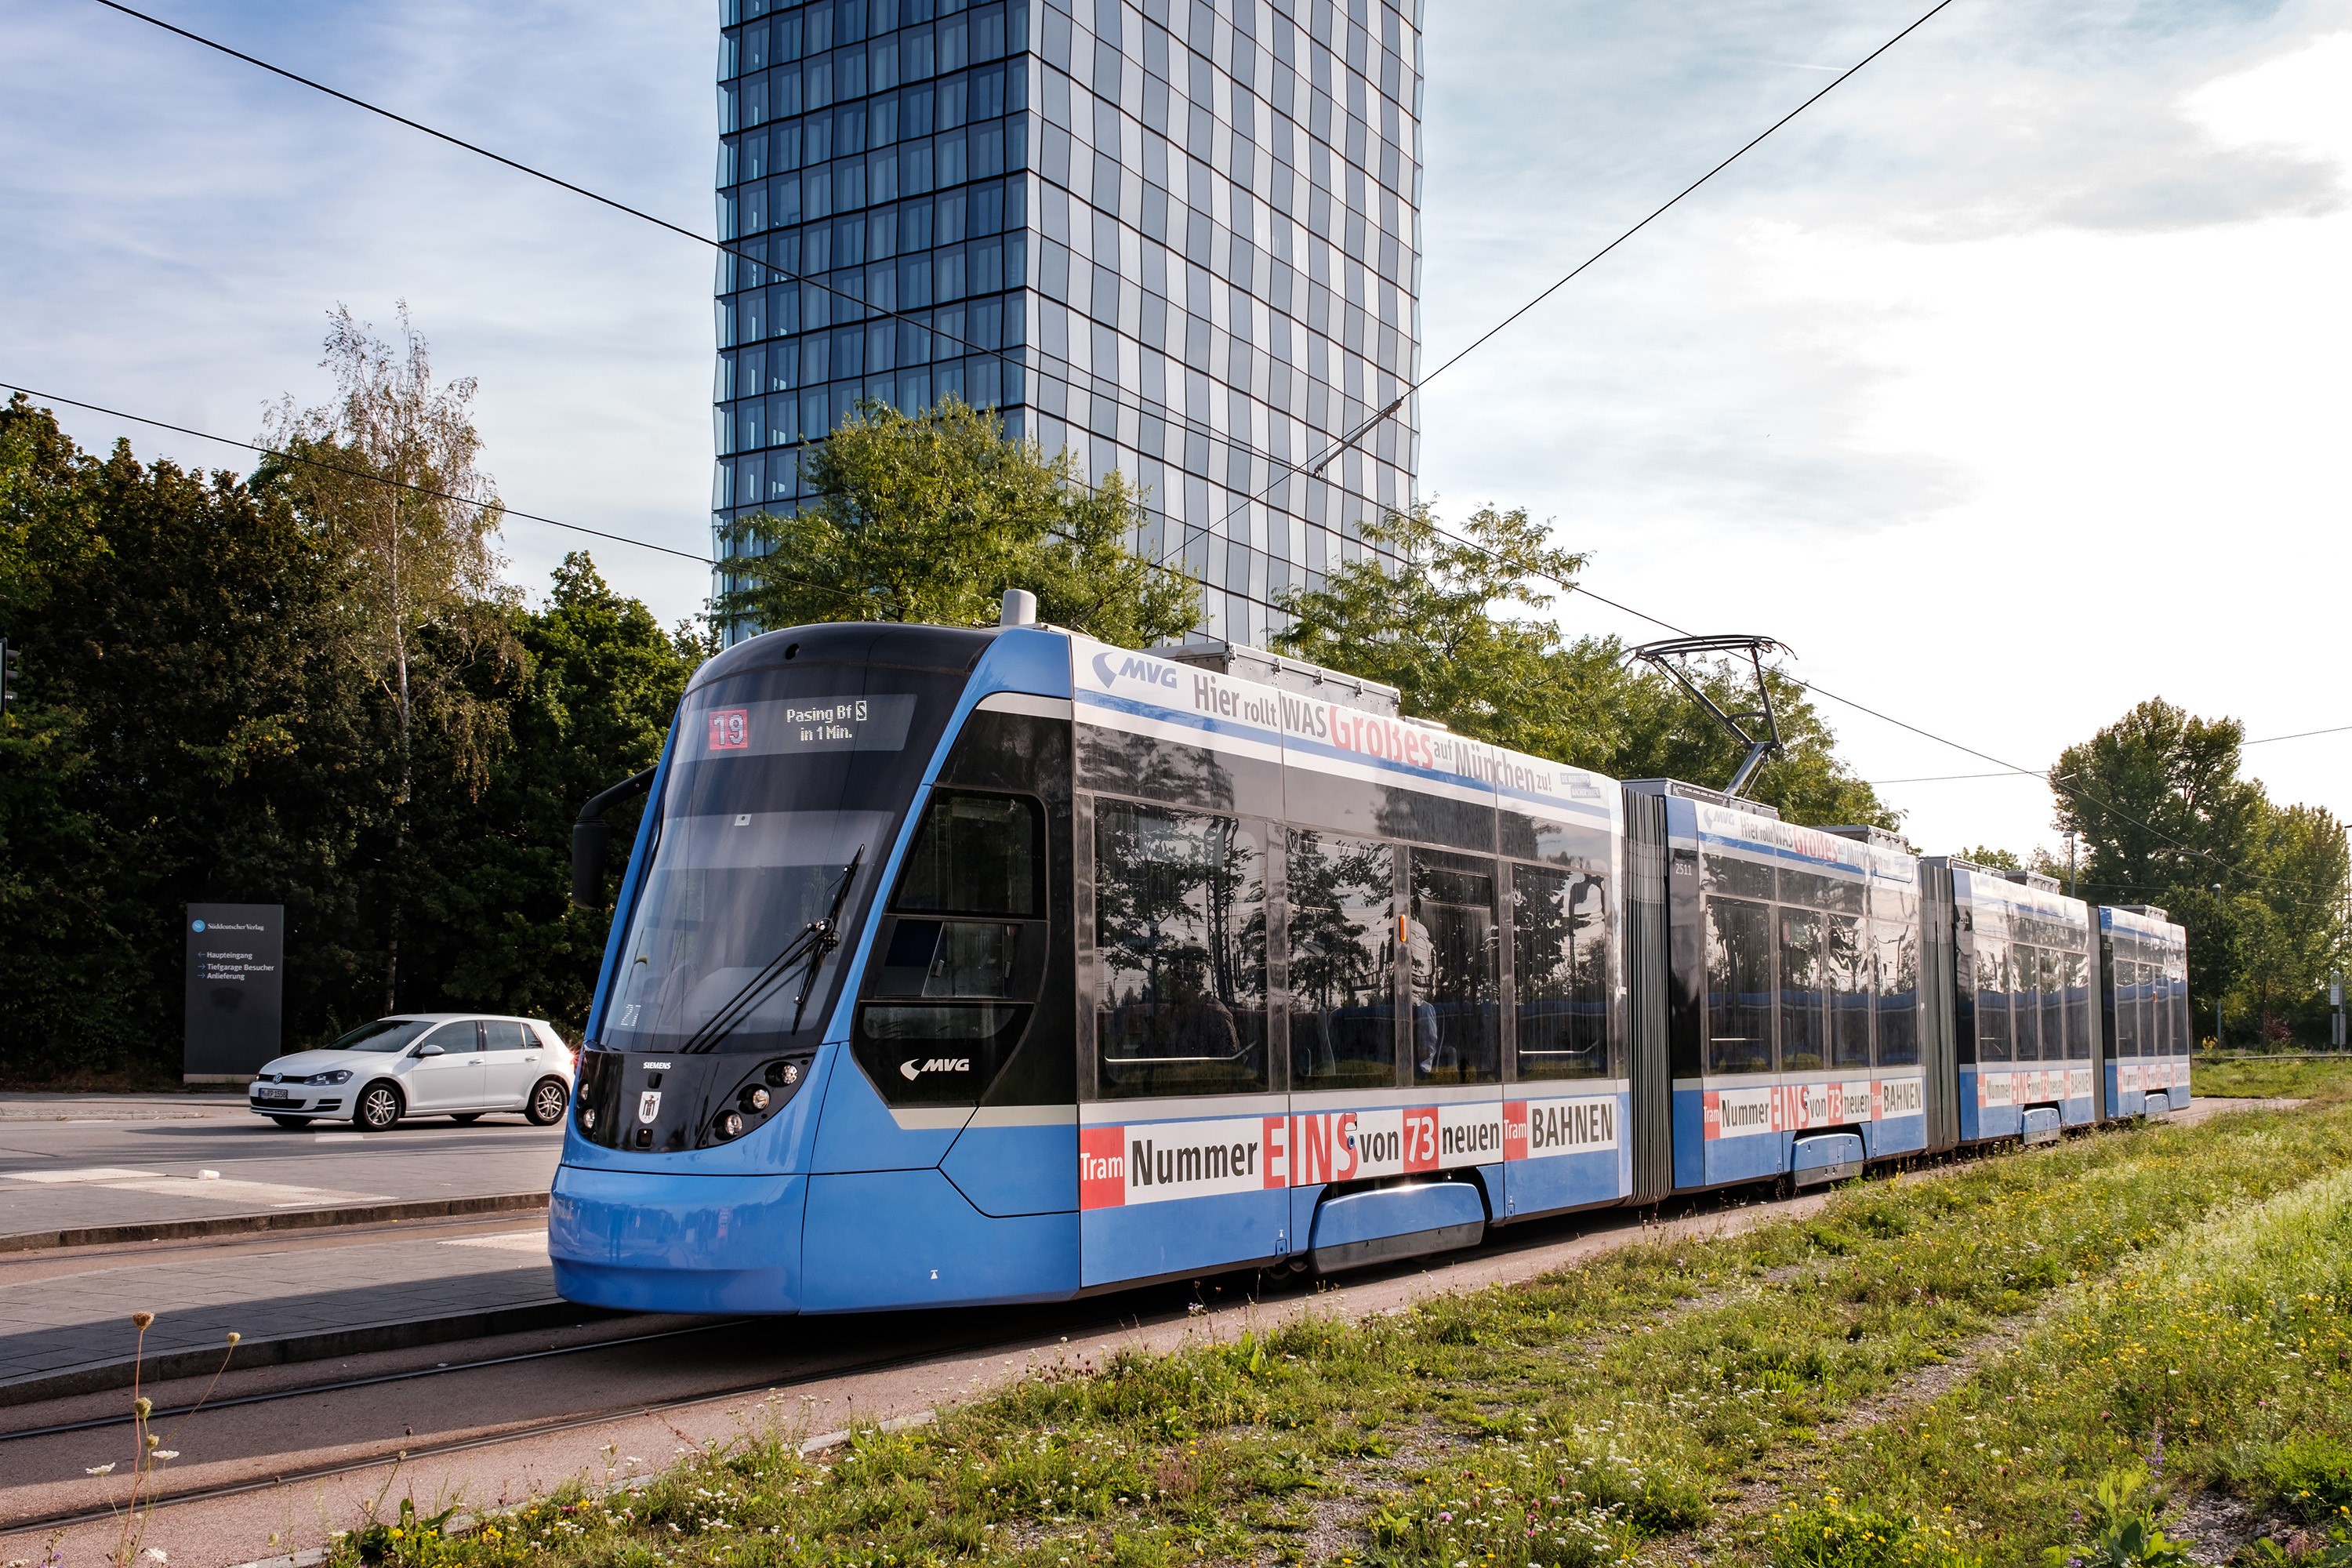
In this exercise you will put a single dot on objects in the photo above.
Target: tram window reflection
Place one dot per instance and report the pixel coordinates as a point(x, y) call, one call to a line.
point(2053, 986)
point(1992, 997)
point(2025, 1001)
point(1739, 987)
point(1804, 1029)
point(2127, 1021)
point(1180, 923)
point(976, 853)
point(2077, 977)
point(1898, 991)
point(1847, 966)
point(1342, 989)
point(1452, 943)
point(1559, 971)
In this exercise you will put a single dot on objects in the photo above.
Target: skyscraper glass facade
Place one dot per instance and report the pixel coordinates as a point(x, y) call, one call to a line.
point(1179, 238)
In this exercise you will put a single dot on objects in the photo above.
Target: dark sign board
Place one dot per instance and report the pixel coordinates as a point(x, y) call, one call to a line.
point(237, 970)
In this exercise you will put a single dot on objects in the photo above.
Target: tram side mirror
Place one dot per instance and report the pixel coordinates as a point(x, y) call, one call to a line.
point(589, 840)
point(591, 835)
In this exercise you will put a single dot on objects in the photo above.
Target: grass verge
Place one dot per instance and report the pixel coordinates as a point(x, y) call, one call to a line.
point(1613, 1409)
point(2218, 1365)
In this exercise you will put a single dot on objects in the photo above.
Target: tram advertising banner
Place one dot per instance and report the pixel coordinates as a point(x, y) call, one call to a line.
point(1161, 1160)
point(1803, 1107)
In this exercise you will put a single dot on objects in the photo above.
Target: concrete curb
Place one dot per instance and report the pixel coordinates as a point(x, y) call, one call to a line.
point(94, 1377)
point(277, 1219)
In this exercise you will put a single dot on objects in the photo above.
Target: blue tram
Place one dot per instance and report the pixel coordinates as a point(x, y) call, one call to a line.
point(2144, 1001)
point(957, 966)
point(2022, 1001)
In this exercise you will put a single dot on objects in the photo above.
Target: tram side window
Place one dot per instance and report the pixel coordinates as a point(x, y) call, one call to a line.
point(2025, 1001)
point(2053, 1006)
point(1850, 967)
point(1452, 947)
point(1180, 936)
point(1342, 942)
point(1992, 997)
point(1897, 944)
point(1559, 972)
point(2127, 1009)
point(1739, 987)
point(1804, 990)
point(2176, 981)
point(976, 853)
point(2078, 1005)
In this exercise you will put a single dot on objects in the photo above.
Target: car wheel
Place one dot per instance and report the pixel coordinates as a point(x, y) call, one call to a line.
point(548, 1098)
point(292, 1123)
point(379, 1108)
point(469, 1119)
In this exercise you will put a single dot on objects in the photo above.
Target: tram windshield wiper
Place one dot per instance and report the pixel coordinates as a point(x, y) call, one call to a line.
point(816, 939)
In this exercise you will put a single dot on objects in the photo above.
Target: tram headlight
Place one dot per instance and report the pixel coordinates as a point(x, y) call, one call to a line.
point(755, 1099)
point(782, 1075)
point(588, 1120)
point(731, 1124)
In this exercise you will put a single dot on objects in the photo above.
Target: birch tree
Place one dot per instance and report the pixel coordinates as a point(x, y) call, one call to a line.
point(387, 474)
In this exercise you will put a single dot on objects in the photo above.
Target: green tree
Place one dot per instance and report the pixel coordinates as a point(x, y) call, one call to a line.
point(931, 516)
point(1457, 623)
point(600, 681)
point(386, 479)
point(2166, 819)
point(188, 737)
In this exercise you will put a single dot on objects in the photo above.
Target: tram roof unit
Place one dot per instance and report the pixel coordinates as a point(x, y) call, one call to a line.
point(1878, 837)
point(1682, 791)
point(1288, 675)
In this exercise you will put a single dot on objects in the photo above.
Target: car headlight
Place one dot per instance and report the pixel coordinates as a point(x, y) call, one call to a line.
point(340, 1075)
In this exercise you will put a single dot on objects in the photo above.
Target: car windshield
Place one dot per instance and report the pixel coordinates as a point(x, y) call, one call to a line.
point(780, 779)
point(385, 1035)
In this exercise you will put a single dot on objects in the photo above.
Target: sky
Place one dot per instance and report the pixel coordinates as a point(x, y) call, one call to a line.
point(2006, 386)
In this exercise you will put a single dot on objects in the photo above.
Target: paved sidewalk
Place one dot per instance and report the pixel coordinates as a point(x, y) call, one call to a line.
point(53, 1323)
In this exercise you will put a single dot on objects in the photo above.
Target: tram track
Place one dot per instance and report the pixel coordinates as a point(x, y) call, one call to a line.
point(431, 1451)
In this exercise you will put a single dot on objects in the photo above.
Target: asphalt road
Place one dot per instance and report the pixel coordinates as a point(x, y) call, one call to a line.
point(74, 1159)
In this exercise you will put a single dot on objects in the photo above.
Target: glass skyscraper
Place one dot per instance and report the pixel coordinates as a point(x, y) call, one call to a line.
point(1180, 238)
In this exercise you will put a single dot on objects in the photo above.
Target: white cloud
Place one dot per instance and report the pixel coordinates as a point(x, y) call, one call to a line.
point(2005, 384)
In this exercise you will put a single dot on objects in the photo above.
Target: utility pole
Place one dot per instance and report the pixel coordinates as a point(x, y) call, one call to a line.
point(8, 656)
point(2070, 865)
point(2336, 1000)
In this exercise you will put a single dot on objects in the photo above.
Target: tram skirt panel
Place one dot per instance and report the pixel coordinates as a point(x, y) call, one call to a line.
point(641, 1242)
point(908, 1238)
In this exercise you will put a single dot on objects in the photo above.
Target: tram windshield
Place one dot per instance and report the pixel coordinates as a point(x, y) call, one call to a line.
point(785, 793)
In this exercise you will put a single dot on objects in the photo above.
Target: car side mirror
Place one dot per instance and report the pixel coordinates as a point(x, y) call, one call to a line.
point(430, 1050)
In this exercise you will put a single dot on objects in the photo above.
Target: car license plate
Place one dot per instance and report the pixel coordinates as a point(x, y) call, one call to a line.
point(274, 1094)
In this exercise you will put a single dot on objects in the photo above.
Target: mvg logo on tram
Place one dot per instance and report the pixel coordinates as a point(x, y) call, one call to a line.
point(1130, 668)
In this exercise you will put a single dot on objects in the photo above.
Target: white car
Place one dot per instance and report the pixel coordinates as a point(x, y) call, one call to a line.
point(458, 1065)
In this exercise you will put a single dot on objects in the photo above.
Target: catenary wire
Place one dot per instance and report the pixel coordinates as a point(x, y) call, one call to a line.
point(1367, 427)
point(1317, 466)
point(424, 491)
point(1016, 357)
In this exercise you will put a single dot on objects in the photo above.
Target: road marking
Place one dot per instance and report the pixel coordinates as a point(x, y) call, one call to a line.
point(512, 1241)
point(339, 1137)
point(87, 1173)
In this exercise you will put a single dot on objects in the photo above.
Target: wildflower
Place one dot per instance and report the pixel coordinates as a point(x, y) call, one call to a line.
point(143, 1320)
point(167, 1453)
point(104, 1470)
point(143, 1405)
